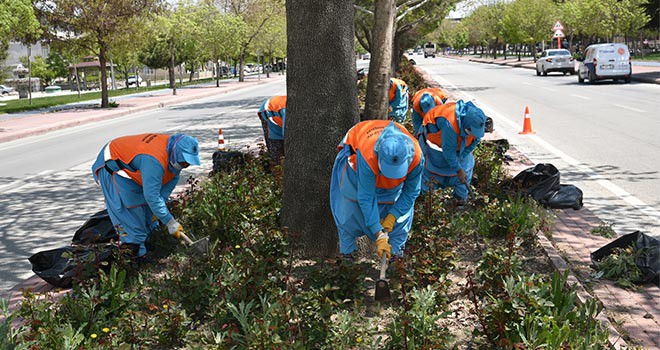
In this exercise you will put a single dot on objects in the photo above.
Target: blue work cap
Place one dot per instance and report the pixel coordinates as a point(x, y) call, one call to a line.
point(186, 149)
point(394, 150)
point(474, 119)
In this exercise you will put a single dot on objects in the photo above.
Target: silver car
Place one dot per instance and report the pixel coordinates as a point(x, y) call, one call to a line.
point(555, 60)
point(6, 90)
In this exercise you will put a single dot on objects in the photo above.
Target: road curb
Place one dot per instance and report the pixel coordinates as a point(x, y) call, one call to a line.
point(110, 114)
point(560, 265)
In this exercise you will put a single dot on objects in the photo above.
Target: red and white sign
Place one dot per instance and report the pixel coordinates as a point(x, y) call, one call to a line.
point(557, 26)
point(558, 34)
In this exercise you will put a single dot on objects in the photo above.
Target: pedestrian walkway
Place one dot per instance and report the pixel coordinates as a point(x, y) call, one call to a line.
point(641, 73)
point(633, 317)
point(43, 121)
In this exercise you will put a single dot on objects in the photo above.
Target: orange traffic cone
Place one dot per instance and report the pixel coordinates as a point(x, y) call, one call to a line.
point(527, 125)
point(221, 141)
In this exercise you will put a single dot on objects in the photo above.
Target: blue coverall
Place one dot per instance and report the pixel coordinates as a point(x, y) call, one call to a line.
point(131, 206)
point(358, 205)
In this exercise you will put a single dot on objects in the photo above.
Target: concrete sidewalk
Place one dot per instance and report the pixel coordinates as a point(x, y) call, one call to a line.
point(42, 122)
point(643, 74)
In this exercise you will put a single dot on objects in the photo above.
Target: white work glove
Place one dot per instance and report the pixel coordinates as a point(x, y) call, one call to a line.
point(174, 228)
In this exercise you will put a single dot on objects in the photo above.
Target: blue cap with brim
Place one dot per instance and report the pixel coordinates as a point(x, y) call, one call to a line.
point(188, 149)
point(394, 153)
point(475, 120)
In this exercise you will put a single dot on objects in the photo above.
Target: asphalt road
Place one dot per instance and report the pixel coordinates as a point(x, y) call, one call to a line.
point(604, 138)
point(46, 187)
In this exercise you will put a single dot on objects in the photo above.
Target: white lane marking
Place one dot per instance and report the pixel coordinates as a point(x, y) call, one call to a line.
point(549, 89)
point(607, 184)
point(22, 182)
point(582, 97)
point(630, 108)
point(527, 83)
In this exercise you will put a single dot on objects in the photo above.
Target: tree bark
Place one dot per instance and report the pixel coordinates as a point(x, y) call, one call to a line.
point(172, 77)
point(321, 107)
point(217, 72)
point(381, 60)
point(104, 75)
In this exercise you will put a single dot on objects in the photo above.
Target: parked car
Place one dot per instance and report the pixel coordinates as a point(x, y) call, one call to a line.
point(132, 80)
point(6, 90)
point(555, 60)
point(605, 61)
point(366, 56)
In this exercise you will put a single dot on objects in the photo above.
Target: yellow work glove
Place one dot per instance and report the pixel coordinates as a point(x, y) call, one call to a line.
point(383, 245)
point(174, 228)
point(388, 222)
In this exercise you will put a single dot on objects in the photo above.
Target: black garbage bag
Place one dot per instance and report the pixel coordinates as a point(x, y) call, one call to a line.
point(567, 196)
point(538, 182)
point(648, 261)
point(60, 266)
point(97, 229)
point(227, 160)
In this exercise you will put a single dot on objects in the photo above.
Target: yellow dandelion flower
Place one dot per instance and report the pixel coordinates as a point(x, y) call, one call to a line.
point(165, 306)
point(106, 330)
point(237, 246)
point(359, 339)
point(93, 336)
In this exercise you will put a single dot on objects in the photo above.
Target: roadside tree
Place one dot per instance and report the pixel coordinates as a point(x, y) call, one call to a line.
point(219, 34)
point(321, 107)
point(101, 20)
point(272, 41)
point(255, 13)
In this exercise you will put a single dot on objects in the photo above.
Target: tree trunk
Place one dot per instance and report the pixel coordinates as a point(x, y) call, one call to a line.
point(192, 73)
point(381, 61)
point(29, 67)
point(104, 76)
point(217, 72)
point(320, 83)
point(397, 51)
point(241, 64)
point(171, 68)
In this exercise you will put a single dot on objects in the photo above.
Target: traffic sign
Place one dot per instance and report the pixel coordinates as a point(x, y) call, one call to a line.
point(557, 26)
point(558, 34)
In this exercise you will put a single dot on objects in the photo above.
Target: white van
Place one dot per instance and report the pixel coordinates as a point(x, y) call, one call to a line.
point(605, 61)
point(429, 50)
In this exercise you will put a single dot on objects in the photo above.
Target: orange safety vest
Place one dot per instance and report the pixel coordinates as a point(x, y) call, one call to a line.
point(448, 112)
point(395, 83)
point(437, 94)
point(126, 148)
point(275, 105)
point(363, 137)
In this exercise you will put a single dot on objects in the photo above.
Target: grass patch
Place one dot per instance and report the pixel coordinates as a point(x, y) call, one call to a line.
point(655, 56)
point(22, 105)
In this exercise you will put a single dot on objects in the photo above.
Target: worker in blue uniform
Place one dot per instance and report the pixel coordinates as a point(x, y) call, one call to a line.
point(376, 178)
point(137, 174)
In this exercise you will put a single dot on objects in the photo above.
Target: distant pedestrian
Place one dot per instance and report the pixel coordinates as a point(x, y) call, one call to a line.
point(137, 175)
point(375, 181)
point(449, 134)
point(398, 100)
point(422, 102)
point(272, 114)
